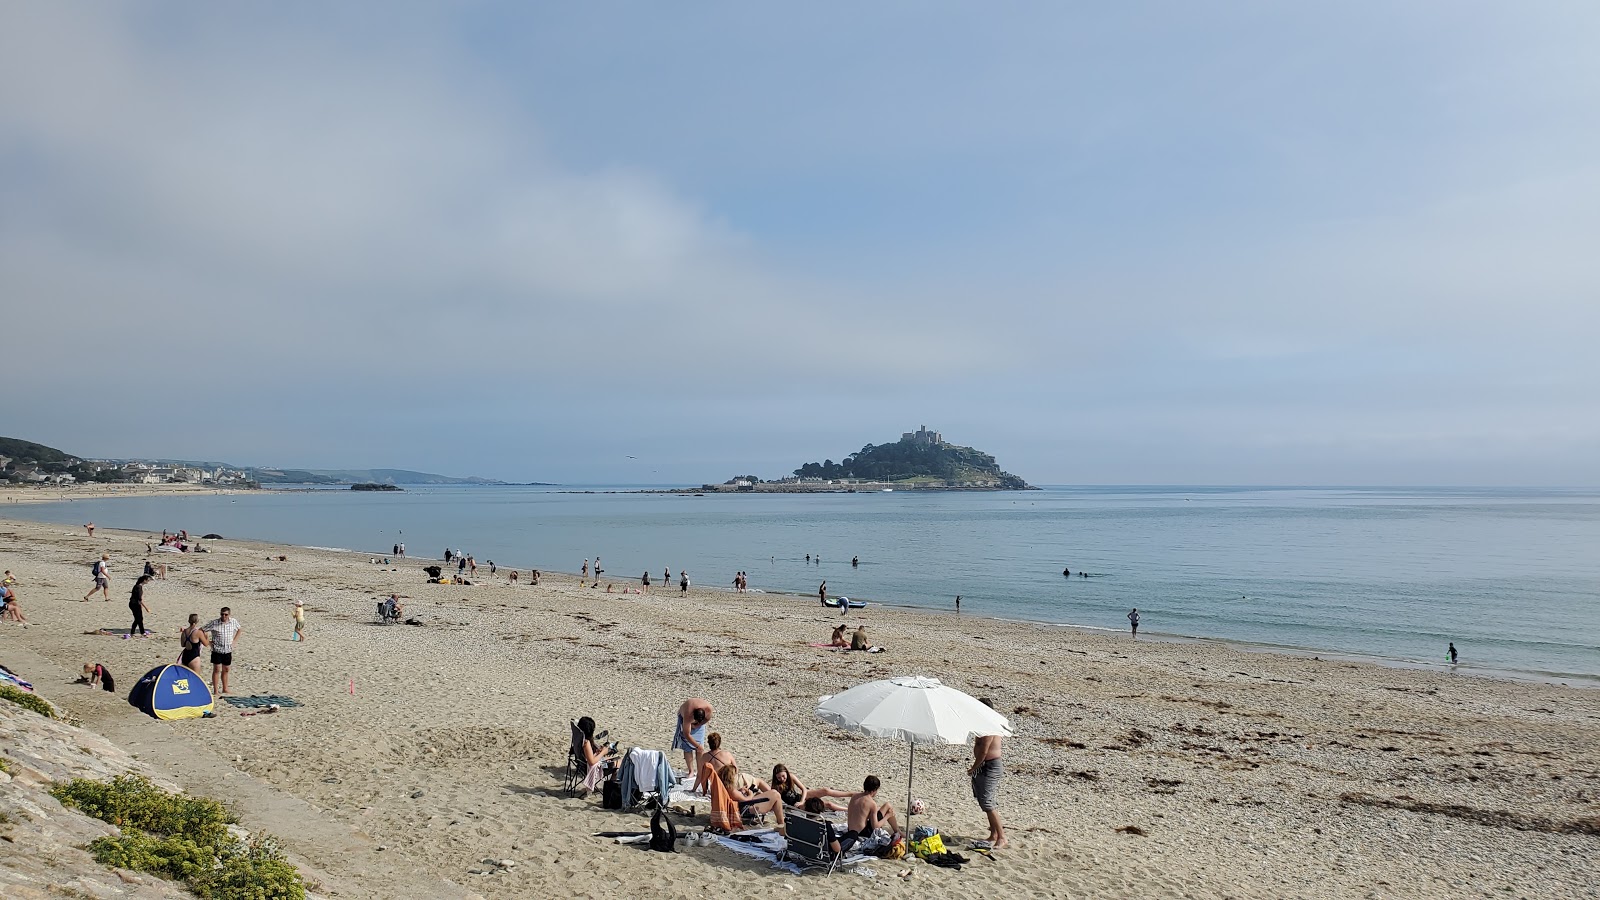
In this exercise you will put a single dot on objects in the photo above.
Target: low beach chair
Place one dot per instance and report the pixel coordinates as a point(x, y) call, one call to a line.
point(809, 838)
point(386, 614)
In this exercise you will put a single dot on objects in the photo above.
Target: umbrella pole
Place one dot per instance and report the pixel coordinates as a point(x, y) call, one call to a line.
point(910, 771)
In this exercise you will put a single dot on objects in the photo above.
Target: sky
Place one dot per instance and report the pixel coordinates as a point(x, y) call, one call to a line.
point(1144, 243)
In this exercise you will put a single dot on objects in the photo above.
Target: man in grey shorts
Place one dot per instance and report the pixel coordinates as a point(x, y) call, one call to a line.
point(985, 774)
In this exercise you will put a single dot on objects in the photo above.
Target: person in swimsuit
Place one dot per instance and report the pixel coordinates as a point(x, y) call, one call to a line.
point(754, 800)
point(193, 638)
point(796, 794)
point(689, 733)
point(299, 620)
point(1133, 620)
point(865, 816)
point(714, 755)
point(985, 775)
point(838, 639)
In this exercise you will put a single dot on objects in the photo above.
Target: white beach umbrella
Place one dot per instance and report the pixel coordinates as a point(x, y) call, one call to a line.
point(913, 709)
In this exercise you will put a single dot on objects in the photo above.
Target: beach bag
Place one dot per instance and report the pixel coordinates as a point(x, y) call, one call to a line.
point(663, 834)
point(611, 795)
point(932, 845)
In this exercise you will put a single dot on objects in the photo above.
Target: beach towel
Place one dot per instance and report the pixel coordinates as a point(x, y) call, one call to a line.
point(724, 809)
point(765, 844)
point(824, 645)
point(9, 677)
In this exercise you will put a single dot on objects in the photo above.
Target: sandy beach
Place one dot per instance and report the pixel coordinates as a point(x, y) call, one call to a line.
point(1139, 769)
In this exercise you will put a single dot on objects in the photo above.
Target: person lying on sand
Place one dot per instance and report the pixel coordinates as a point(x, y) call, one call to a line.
point(794, 793)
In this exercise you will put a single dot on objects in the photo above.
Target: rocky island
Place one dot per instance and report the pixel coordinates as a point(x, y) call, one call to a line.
point(920, 461)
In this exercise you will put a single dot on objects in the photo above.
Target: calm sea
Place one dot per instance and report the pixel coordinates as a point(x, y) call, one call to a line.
point(1512, 576)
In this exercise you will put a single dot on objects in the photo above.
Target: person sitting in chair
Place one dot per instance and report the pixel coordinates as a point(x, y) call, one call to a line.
point(392, 608)
point(594, 755)
point(754, 801)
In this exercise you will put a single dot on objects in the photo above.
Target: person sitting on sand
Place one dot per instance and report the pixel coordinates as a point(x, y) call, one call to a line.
point(513, 576)
point(534, 577)
point(858, 641)
point(755, 800)
point(865, 816)
point(713, 756)
point(796, 794)
point(838, 639)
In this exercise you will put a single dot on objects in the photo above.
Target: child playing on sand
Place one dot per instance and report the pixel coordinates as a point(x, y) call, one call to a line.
point(96, 675)
point(299, 620)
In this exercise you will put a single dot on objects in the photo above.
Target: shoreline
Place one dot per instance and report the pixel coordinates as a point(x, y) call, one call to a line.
point(1531, 676)
point(428, 749)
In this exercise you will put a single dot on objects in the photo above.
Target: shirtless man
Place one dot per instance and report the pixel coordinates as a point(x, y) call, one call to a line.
point(689, 733)
point(985, 775)
point(864, 816)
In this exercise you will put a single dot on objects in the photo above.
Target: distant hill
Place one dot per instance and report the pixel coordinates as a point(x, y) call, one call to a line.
point(22, 451)
point(920, 459)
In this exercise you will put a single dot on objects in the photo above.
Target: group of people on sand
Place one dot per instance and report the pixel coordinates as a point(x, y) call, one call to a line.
point(856, 641)
point(10, 604)
point(741, 582)
point(869, 823)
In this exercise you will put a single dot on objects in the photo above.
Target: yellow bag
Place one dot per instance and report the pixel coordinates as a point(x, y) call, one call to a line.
point(932, 845)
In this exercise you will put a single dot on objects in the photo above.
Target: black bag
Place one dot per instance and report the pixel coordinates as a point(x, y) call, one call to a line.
point(611, 795)
point(663, 834)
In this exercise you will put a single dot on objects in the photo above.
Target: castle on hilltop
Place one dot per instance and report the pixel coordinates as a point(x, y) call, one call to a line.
point(923, 436)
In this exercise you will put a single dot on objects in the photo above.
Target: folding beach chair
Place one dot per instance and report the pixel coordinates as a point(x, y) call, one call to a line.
point(577, 767)
point(809, 838)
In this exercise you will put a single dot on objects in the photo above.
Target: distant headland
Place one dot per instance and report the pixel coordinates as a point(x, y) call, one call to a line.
point(920, 461)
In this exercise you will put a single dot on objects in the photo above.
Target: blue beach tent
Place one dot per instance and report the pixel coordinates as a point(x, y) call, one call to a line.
point(171, 692)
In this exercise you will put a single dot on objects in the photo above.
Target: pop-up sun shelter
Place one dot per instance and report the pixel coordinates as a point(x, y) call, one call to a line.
point(171, 692)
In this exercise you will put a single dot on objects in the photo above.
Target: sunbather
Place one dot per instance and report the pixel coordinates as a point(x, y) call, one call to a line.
point(794, 793)
point(838, 639)
point(713, 756)
point(755, 801)
point(865, 816)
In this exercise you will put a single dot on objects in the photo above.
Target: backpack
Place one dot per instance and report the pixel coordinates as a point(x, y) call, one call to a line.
point(611, 795)
point(94, 569)
point(663, 834)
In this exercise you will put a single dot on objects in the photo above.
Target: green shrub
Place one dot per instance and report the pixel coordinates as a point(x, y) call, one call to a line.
point(5, 765)
point(174, 858)
point(181, 838)
point(254, 871)
point(28, 701)
point(131, 801)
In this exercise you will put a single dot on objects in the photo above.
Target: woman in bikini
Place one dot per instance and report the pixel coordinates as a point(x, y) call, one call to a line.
point(717, 757)
point(794, 793)
point(755, 800)
point(193, 638)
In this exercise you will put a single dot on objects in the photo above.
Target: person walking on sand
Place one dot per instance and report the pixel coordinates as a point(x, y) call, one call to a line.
point(224, 631)
point(583, 573)
point(985, 775)
point(138, 607)
point(102, 578)
point(644, 583)
point(683, 581)
point(89, 527)
point(1133, 619)
point(299, 621)
point(689, 735)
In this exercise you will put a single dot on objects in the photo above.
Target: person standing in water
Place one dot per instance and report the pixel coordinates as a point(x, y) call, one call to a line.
point(855, 562)
point(1133, 619)
point(1452, 652)
point(958, 604)
point(822, 592)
